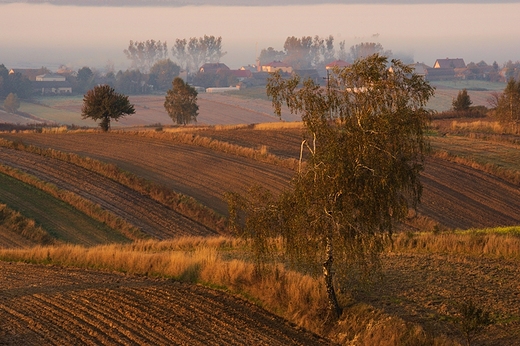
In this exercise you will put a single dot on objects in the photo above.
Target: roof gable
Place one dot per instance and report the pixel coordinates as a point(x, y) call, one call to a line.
point(213, 67)
point(337, 63)
point(277, 64)
point(449, 63)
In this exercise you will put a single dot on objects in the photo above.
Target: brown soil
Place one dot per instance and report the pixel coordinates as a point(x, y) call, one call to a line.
point(43, 305)
point(426, 289)
point(198, 172)
point(454, 195)
point(151, 217)
point(419, 287)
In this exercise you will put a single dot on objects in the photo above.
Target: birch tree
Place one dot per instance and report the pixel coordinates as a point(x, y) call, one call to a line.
point(365, 134)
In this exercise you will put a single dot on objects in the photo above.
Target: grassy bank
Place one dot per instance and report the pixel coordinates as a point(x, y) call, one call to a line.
point(219, 263)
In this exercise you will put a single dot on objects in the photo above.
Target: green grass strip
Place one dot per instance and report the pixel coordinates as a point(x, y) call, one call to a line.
point(180, 203)
point(87, 207)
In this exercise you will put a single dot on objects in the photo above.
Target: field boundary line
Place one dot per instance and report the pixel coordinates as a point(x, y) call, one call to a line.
point(90, 208)
point(260, 155)
point(508, 175)
point(184, 205)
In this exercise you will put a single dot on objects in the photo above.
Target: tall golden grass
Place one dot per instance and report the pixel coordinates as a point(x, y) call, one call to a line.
point(89, 208)
point(493, 243)
point(216, 262)
point(481, 126)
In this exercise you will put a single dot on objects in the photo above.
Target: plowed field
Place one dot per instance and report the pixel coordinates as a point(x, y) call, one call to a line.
point(151, 217)
point(49, 305)
point(454, 195)
point(42, 305)
point(193, 171)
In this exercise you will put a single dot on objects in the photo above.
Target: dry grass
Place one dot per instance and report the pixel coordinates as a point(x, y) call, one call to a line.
point(299, 298)
point(91, 209)
point(511, 175)
point(494, 243)
point(481, 126)
point(12, 221)
point(279, 125)
point(175, 201)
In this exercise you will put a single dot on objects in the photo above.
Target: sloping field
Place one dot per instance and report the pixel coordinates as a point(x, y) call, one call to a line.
point(446, 91)
point(456, 196)
point(8, 118)
point(462, 197)
point(44, 305)
point(198, 172)
point(63, 222)
point(425, 288)
point(150, 216)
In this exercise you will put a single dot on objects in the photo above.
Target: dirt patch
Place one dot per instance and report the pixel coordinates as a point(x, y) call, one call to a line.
point(63, 306)
point(425, 289)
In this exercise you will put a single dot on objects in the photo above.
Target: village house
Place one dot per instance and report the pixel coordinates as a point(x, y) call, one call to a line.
point(276, 66)
point(420, 68)
point(447, 69)
point(52, 84)
point(213, 68)
point(337, 64)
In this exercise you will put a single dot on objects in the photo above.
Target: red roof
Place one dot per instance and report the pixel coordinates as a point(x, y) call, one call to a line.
point(338, 63)
point(277, 64)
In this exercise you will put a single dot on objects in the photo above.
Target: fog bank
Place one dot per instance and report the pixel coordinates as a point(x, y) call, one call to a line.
point(46, 35)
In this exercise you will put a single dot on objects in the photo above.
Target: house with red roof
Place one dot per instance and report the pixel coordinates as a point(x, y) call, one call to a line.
point(337, 64)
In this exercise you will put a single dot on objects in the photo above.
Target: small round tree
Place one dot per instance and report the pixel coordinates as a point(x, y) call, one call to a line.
point(11, 103)
point(181, 102)
point(103, 103)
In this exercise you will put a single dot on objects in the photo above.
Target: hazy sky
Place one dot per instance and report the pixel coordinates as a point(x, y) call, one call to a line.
point(47, 35)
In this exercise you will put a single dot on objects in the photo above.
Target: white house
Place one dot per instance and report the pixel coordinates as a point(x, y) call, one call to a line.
point(52, 84)
point(50, 77)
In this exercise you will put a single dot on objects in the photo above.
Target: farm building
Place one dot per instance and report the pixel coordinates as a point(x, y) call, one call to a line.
point(449, 63)
point(277, 66)
point(337, 64)
point(213, 67)
point(51, 84)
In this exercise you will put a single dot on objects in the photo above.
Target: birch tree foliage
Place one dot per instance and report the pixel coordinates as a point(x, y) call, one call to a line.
point(366, 143)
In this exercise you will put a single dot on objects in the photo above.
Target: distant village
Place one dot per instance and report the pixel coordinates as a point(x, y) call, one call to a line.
point(217, 77)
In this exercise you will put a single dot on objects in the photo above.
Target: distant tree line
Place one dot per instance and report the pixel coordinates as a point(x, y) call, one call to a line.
point(315, 52)
point(152, 69)
point(14, 83)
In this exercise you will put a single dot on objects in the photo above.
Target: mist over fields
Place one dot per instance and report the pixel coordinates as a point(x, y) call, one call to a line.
point(246, 2)
point(35, 35)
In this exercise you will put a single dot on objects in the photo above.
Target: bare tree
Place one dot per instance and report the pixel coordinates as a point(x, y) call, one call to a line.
point(144, 54)
point(193, 53)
